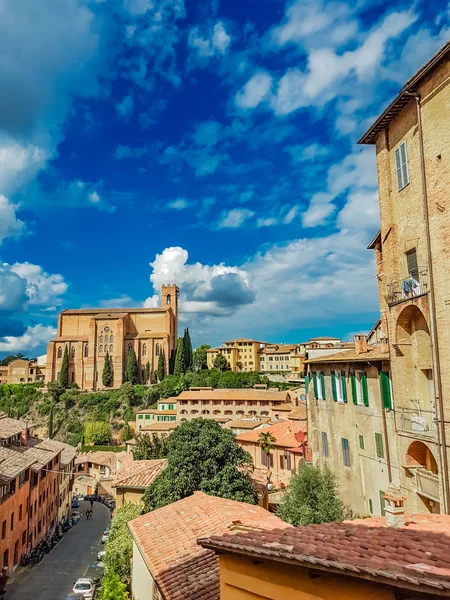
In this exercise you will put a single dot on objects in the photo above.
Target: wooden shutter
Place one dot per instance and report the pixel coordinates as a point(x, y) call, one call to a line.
point(333, 385)
point(411, 260)
point(322, 384)
point(315, 384)
point(354, 392)
point(344, 387)
point(379, 445)
point(365, 391)
point(385, 389)
point(404, 163)
point(307, 379)
point(398, 168)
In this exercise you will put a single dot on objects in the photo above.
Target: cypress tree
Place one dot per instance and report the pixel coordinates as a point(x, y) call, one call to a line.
point(107, 372)
point(188, 355)
point(64, 373)
point(147, 372)
point(132, 367)
point(161, 367)
point(179, 358)
point(50, 420)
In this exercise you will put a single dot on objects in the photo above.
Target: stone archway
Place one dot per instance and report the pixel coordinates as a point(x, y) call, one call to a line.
point(422, 463)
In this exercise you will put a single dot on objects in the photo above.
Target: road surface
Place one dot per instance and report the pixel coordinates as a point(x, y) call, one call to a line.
point(75, 556)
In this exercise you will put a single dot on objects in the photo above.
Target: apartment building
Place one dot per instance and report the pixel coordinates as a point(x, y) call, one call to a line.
point(66, 479)
point(165, 411)
point(412, 140)
point(242, 354)
point(352, 425)
point(22, 370)
point(279, 358)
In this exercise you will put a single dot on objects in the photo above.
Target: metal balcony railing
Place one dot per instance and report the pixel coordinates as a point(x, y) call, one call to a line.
point(416, 284)
point(427, 484)
point(415, 420)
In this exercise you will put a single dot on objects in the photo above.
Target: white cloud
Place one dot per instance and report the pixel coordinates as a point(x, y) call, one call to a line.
point(179, 204)
point(266, 222)
point(120, 302)
point(220, 40)
point(254, 91)
point(34, 337)
point(42, 288)
point(309, 152)
point(236, 217)
point(19, 163)
point(10, 225)
point(213, 42)
point(125, 108)
point(152, 301)
point(290, 215)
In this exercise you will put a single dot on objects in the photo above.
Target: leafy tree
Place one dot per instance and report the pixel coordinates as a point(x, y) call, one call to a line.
point(200, 357)
point(188, 356)
point(312, 497)
point(97, 433)
point(220, 362)
point(126, 433)
point(64, 373)
point(161, 366)
point(119, 548)
point(5, 361)
point(202, 456)
point(149, 447)
point(172, 386)
point(107, 372)
point(132, 370)
point(266, 442)
point(113, 588)
point(239, 365)
point(179, 358)
point(50, 420)
point(55, 390)
point(147, 372)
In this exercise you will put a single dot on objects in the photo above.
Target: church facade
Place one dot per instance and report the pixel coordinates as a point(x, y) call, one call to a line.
point(89, 333)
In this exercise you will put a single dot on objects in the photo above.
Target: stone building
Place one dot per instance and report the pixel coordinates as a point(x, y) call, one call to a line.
point(279, 358)
point(24, 371)
point(242, 354)
point(412, 140)
point(89, 333)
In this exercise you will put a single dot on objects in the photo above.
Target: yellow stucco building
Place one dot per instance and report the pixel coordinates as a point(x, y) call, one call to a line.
point(90, 333)
point(412, 140)
point(242, 354)
point(24, 371)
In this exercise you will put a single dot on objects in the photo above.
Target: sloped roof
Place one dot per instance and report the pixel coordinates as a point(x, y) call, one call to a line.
point(373, 353)
point(284, 434)
point(139, 473)
point(235, 394)
point(10, 427)
point(247, 423)
point(167, 541)
point(414, 556)
point(298, 413)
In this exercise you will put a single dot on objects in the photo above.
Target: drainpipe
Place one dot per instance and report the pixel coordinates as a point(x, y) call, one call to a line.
point(432, 317)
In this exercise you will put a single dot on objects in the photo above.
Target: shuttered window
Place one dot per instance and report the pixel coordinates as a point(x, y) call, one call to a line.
point(360, 392)
point(314, 376)
point(322, 385)
point(361, 442)
point(401, 166)
point(307, 379)
point(379, 445)
point(333, 385)
point(324, 443)
point(411, 261)
point(385, 386)
point(345, 452)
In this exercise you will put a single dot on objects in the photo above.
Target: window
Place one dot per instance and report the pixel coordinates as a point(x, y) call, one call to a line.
point(101, 339)
point(140, 416)
point(144, 350)
point(60, 352)
point(266, 459)
point(110, 348)
point(401, 166)
point(411, 261)
point(100, 348)
point(24, 538)
point(86, 351)
point(379, 445)
point(370, 506)
point(338, 386)
point(12, 521)
point(386, 392)
point(168, 299)
point(106, 339)
point(324, 444)
point(4, 529)
point(20, 512)
point(360, 392)
point(106, 329)
point(111, 339)
point(287, 460)
point(382, 503)
point(345, 452)
point(361, 442)
point(73, 351)
point(157, 350)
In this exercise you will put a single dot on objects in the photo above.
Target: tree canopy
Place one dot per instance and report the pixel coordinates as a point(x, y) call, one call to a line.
point(202, 456)
point(220, 362)
point(132, 367)
point(119, 548)
point(266, 442)
point(188, 356)
point(147, 372)
point(107, 371)
point(179, 368)
point(312, 497)
point(161, 367)
point(199, 359)
point(97, 433)
point(149, 447)
point(64, 373)
point(4, 362)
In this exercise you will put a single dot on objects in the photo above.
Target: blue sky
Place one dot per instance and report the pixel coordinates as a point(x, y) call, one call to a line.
point(207, 143)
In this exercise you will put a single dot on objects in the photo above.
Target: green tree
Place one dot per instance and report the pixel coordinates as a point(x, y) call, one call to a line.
point(113, 588)
point(200, 357)
point(132, 367)
point(202, 456)
point(150, 447)
point(55, 390)
point(188, 356)
point(266, 442)
point(97, 433)
point(5, 361)
point(147, 372)
point(50, 420)
point(126, 433)
point(220, 362)
point(64, 373)
point(239, 365)
point(119, 548)
point(312, 497)
point(107, 372)
point(161, 366)
point(179, 358)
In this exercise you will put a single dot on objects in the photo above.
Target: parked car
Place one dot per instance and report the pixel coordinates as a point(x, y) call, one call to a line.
point(85, 586)
point(101, 555)
point(75, 596)
point(105, 536)
point(75, 503)
point(76, 515)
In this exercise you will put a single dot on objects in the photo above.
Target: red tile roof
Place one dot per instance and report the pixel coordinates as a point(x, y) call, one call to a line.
point(415, 556)
point(139, 473)
point(167, 540)
point(285, 434)
point(235, 394)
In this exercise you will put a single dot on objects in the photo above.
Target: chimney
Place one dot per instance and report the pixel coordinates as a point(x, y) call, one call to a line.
point(360, 344)
point(384, 345)
point(24, 434)
point(395, 511)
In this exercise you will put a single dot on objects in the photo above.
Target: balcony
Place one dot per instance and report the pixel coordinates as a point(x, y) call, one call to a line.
point(427, 484)
point(414, 285)
point(416, 421)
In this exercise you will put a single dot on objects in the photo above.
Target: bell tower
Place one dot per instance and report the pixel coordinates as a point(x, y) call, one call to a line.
point(169, 297)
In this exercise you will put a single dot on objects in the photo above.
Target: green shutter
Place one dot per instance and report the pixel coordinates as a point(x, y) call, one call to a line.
point(333, 385)
point(307, 379)
point(344, 386)
point(365, 391)
point(385, 389)
point(315, 384)
point(379, 445)
point(322, 381)
point(354, 393)
point(361, 442)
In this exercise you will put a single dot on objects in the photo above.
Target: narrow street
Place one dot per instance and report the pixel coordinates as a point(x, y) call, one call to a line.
point(74, 557)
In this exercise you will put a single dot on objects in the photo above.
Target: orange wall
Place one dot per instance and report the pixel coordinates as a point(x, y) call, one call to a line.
point(14, 535)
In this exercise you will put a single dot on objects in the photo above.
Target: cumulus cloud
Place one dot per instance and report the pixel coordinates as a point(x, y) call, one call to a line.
point(34, 337)
point(10, 225)
point(234, 218)
point(256, 90)
point(179, 204)
point(208, 42)
point(42, 288)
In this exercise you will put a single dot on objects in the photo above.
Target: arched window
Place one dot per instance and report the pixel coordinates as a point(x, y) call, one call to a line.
point(100, 348)
point(264, 413)
point(144, 350)
point(181, 420)
point(60, 352)
point(106, 339)
point(101, 339)
point(240, 412)
point(73, 351)
point(194, 412)
point(111, 338)
point(106, 329)
point(110, 348)
point(158, 349)
point(86, 351)
point(168, 299)
point(228, 412)
point(205, 412)
point(183, 412)
point(216, 412)
point(130, 347)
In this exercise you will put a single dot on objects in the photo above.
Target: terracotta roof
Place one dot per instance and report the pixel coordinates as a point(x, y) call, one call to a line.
point(160, 426)
point(108, 459)
point(10, 427)
point(373, 353)
point(284, 407)
point(247, 423)
point(155, 411)
point(286, 434)
point(322, 338)
point(12, 463)
point(115, 312)
point(139, 473)
point(68, 453)
point(238, 394)
point(414, 556)
point(299, 413)
point(244, 340)
point(278, 349)
point(167, 541)
point(403, 97)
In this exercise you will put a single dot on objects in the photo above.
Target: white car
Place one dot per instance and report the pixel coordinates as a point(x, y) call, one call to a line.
point(105, 536)
point(85, 586)
point(101, 555)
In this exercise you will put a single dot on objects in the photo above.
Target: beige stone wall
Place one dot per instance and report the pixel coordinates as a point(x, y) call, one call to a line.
point(236, 409)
